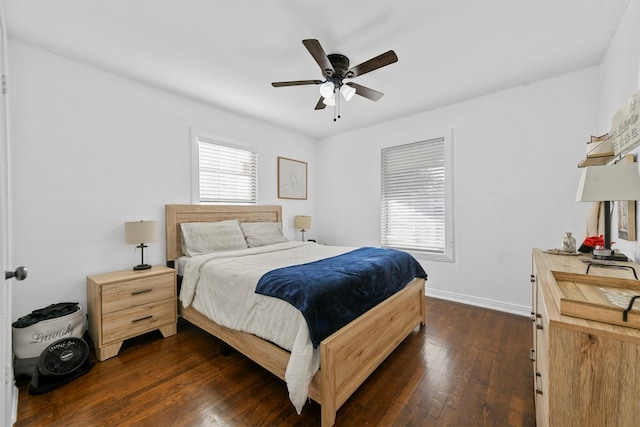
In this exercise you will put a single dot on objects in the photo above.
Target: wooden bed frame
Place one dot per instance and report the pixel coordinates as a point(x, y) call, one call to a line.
point(347, 357)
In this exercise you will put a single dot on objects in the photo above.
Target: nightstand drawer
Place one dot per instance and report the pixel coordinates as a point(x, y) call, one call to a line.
point(137, 320)
point(136, 292)
point(128, 303)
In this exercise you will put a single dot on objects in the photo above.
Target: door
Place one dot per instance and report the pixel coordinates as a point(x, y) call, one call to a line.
point(8, 391)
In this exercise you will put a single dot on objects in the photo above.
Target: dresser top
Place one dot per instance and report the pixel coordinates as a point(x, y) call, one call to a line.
point(546, 264)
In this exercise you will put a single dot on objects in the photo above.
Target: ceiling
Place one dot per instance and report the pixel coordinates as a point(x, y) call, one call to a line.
point(227, 52)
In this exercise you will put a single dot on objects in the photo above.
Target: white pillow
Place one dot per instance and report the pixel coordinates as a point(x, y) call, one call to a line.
point(206, 237)
point(262, 233)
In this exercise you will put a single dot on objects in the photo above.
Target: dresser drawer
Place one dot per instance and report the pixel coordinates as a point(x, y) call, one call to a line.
point(134, 321)
point(542, 361)
point(136, 292)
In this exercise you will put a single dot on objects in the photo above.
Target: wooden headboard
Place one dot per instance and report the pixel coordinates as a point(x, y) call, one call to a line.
point(174, 215)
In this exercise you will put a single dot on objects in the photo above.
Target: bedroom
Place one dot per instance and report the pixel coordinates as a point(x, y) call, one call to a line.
point(93, 149)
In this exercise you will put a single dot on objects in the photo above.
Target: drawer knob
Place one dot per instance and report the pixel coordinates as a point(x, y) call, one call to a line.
point(143, 291)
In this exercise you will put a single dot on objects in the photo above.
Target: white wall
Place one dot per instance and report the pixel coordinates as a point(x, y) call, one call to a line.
point(619, 80)
point(515, 182)
point(91, 150)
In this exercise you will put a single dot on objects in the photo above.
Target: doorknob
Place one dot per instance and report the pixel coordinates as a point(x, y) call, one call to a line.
point(19, 274)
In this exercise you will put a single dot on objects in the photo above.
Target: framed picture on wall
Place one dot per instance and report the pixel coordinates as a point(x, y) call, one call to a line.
point(292, 179)
point(627, 213)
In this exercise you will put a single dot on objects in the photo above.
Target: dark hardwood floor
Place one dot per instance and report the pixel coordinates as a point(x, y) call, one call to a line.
point(468, 367)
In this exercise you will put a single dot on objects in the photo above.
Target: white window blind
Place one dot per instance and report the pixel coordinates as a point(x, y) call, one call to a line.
point(414, 214)
point(226, 174)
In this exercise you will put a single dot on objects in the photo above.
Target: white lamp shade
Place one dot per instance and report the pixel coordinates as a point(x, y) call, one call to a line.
point(141, 232)
point(609, 182)
point(331, 101)
point(302, 222)
point(326, 89)
point(348, 92)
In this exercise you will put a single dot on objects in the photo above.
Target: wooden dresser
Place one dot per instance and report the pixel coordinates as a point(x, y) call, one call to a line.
point(586, 373)
point(125, 304)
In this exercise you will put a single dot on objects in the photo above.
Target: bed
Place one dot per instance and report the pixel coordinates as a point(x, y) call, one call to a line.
point(346, 358)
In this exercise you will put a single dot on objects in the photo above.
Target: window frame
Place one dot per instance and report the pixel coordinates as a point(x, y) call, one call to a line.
point(196, 136)
point(447, 255)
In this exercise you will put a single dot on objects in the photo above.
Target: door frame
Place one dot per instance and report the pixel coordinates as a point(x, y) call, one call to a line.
point(8, 390)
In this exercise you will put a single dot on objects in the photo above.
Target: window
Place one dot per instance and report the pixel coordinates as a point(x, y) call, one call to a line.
point(225, 173)
point(416, 198)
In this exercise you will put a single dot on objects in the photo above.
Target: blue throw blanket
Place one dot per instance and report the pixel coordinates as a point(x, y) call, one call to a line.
point(334, 291)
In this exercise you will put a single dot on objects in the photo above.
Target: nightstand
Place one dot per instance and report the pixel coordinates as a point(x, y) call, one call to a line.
point(125, 304)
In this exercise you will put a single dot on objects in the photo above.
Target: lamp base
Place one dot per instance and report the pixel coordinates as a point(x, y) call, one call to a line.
point(142, 265)
point(614, 256)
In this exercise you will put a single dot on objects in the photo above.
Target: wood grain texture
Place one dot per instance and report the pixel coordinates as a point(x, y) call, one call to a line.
point(467, 366)
point(587, 371)
point(123, 304)
point(133, 321)
point(541, 384)
point(177, 214)
point(588, 297)
point(602, 377)
point(133, 293)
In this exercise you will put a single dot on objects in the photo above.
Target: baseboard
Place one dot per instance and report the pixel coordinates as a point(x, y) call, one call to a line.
point(519, 310)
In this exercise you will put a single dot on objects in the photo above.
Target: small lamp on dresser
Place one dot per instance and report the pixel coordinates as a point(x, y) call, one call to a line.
point(605, 184)
point(141, 232)
point(302, 223)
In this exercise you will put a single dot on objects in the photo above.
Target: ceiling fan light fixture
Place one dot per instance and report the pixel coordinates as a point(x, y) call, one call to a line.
point(335, 69)
point(330, 101)
point(326, 89)
point(347, 92)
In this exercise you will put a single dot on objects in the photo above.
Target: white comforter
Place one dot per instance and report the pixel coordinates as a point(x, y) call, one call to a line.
point(222, 287)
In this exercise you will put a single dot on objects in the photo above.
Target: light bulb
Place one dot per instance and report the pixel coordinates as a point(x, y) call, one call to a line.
point(326, 89)
point(331, 101)
point(347, 92)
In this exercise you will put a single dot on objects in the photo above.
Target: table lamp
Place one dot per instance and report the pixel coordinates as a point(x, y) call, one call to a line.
point(605, 184)
point(302, 223)
point(141, 232)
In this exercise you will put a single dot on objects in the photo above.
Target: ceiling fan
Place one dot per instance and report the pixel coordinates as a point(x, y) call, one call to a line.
point(335, 69)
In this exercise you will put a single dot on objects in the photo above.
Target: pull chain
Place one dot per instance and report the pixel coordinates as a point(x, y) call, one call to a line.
point(336, 107)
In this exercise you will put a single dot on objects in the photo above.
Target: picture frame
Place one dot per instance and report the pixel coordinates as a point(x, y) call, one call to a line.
point(627, 213)
point(292, 179)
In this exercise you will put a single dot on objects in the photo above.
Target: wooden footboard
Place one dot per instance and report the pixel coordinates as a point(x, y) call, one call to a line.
point(350, 355)
point(347, 357)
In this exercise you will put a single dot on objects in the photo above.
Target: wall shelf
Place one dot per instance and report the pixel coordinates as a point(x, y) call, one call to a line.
point(595, 161)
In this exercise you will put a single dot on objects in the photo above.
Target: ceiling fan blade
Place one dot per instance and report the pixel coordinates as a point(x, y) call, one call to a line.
point(320, 105)
point(296, 83)
point(318, 53)
point(371, 94)
point(379, 61)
